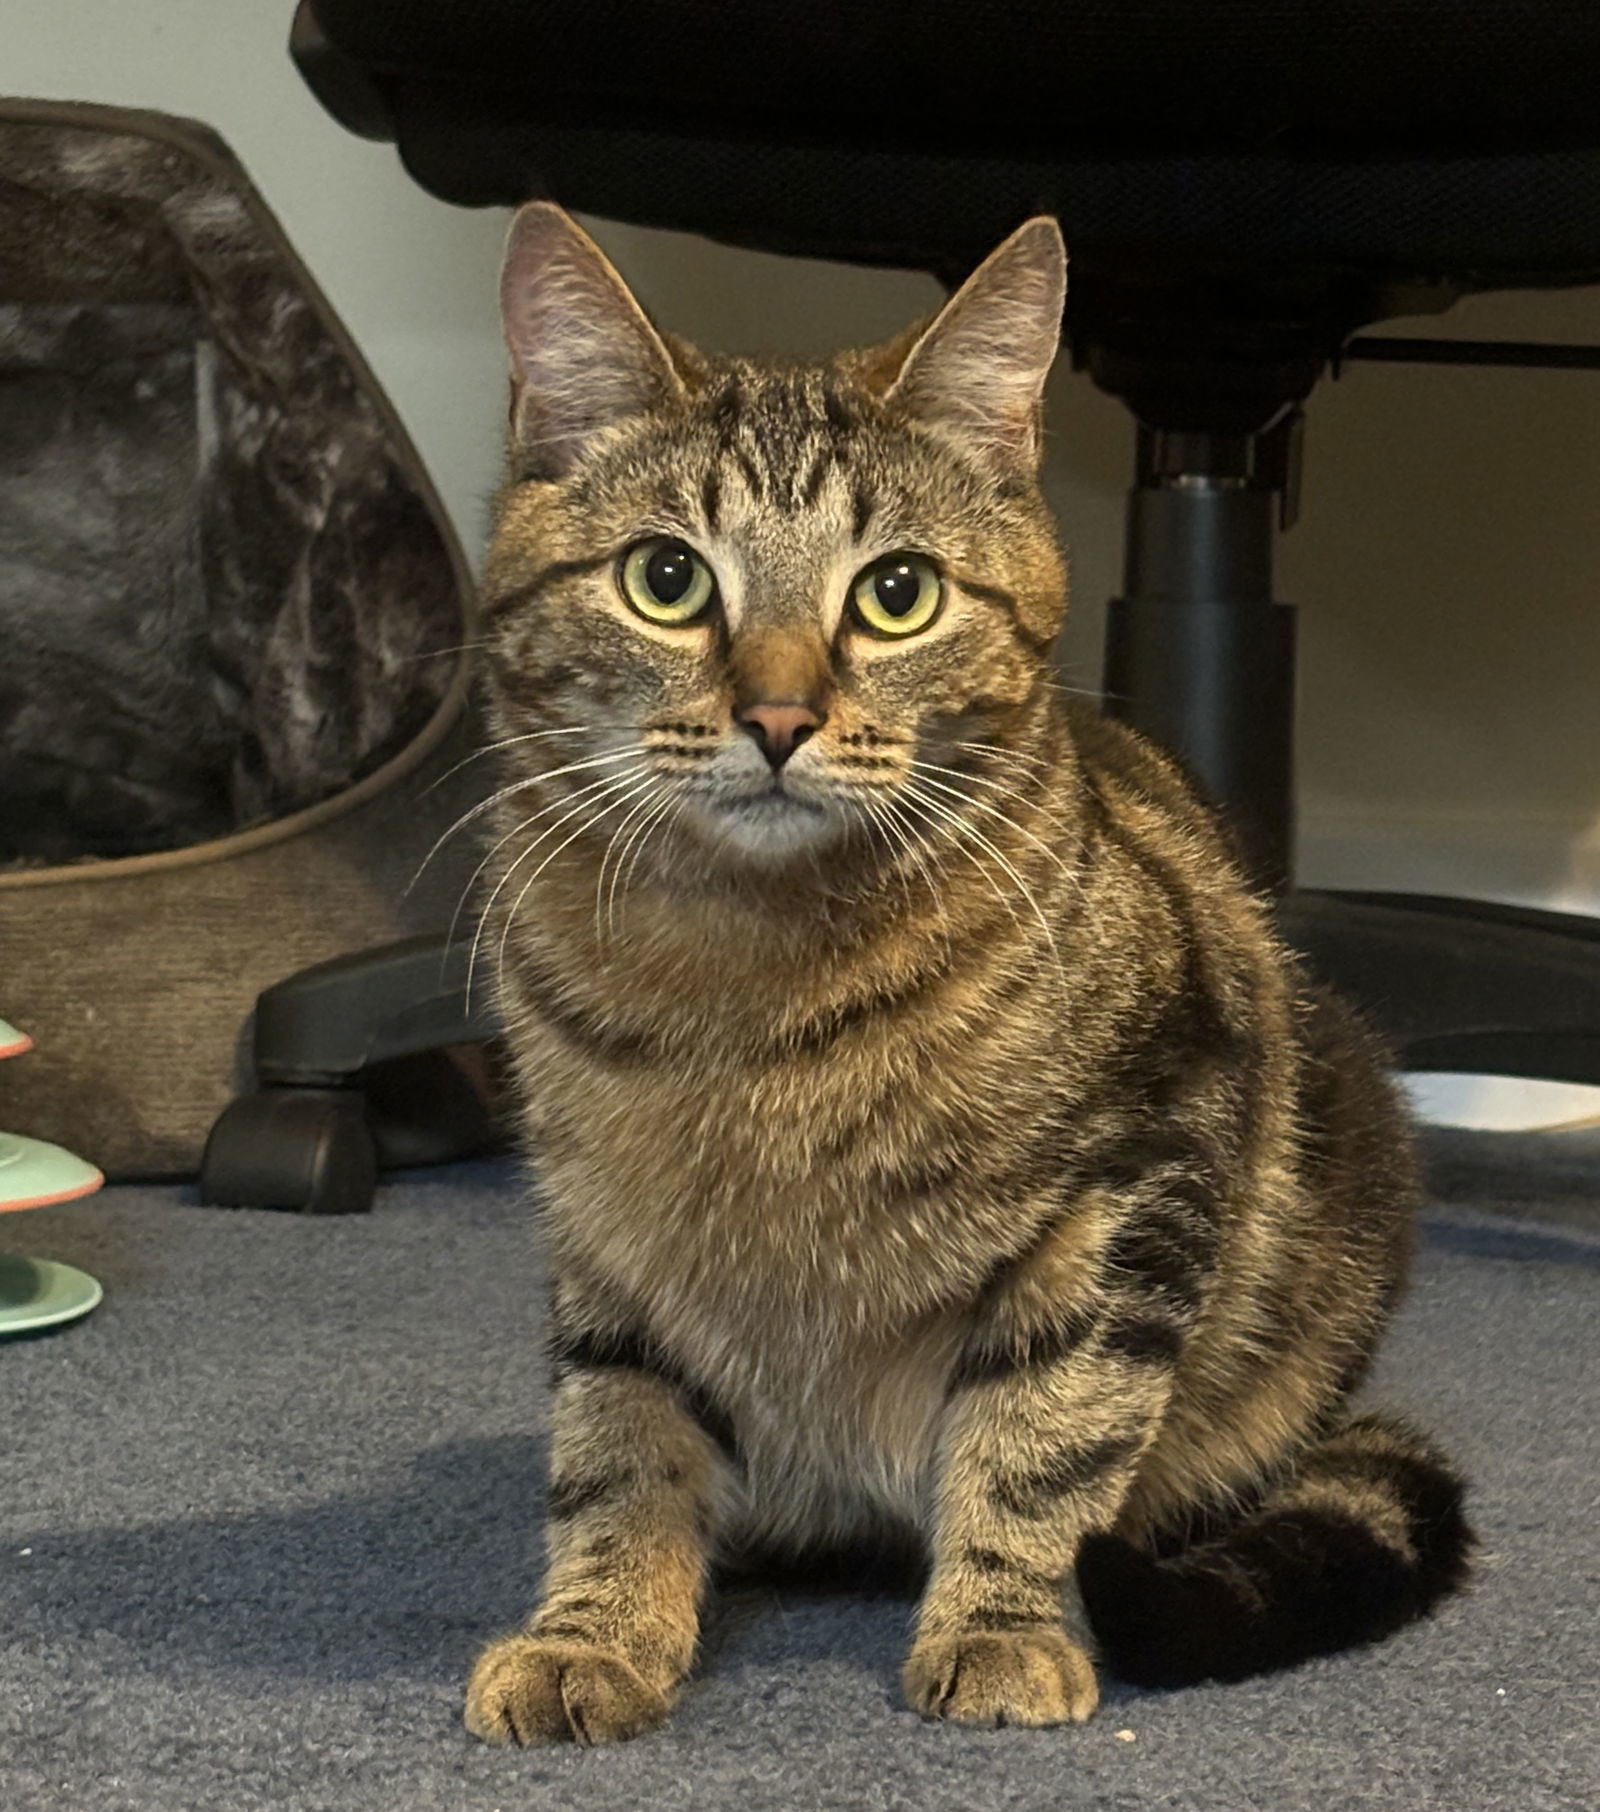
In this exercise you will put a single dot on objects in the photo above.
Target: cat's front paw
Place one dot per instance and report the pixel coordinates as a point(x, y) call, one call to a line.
point(1030, 1676)
point(526, 1689)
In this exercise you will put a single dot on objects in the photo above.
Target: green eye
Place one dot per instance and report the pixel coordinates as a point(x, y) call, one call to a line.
point(897, 595)
point(666, 581)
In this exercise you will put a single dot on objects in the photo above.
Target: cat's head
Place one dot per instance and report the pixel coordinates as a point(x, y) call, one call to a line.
point(741, 600)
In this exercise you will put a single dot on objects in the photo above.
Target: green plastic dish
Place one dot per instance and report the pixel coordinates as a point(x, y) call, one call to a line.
point(38, 1293)
point(36, 1175)
point(12, 1042)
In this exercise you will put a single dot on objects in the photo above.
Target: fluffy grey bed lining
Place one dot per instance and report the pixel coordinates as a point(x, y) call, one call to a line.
point(223, 593)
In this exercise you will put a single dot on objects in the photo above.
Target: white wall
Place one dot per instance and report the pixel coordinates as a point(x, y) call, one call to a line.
point(1448, 556)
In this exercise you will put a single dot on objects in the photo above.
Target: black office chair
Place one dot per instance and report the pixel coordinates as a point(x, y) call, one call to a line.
point(1244, 185)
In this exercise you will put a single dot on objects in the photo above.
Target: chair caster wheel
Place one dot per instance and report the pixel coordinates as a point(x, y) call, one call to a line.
point(302, 1148)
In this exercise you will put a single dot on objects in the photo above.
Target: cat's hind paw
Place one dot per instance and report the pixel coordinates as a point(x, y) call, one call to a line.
point(1031, 1676)
point(527, 1690)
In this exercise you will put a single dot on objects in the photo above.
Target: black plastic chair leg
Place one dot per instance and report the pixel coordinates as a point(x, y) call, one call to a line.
point(302, 1148)
point(1463, 985)
point(354, 1062)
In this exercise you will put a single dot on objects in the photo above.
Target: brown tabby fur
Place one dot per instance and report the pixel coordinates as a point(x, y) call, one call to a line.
point(968, 1166)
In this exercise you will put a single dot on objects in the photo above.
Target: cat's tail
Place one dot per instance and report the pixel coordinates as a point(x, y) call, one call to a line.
point(1367, 1535)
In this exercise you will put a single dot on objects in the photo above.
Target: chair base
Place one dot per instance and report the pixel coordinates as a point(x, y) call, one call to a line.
point(361, 1069)
point(1461, 985)
point(1452, 984)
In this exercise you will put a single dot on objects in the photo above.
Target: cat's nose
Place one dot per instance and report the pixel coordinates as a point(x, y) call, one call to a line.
point(778, 729)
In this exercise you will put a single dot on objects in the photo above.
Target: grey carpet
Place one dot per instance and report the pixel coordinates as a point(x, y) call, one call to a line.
point(259, 1511)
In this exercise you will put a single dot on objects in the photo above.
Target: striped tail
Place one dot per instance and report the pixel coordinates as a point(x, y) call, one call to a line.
point(1368, 1535)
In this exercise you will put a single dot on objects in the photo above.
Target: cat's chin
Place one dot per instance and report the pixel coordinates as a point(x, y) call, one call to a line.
point(769, 828)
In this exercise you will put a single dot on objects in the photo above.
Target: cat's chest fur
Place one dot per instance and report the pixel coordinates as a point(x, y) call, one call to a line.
point(784, 1230)
point(749, 1202)
point(771, 1277)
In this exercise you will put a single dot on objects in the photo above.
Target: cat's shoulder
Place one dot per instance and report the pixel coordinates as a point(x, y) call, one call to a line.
point(1121, 765)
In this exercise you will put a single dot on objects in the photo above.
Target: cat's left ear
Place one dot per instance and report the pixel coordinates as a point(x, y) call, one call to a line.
point(584, 356)
point(978, 371)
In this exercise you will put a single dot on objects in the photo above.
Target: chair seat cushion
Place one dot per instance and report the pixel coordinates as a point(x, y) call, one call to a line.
point(1399, 140)
point(1078, 76)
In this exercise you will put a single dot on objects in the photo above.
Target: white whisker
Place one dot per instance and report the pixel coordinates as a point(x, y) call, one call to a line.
point(544, 811)
point(438, 654)
point(896, 820)
point(999, 786)
point(623, 830)
point(1057, 680)
point(908, 804)
point(1013, 755)
point(518, 786)
point(897, 851)
point(672, 805)
point(620, 781)
point(993, 811)
point(650, 780)
point(914, 790)
point(491, 748)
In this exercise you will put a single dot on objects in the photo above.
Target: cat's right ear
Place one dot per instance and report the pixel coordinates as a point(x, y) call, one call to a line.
point(583, 354)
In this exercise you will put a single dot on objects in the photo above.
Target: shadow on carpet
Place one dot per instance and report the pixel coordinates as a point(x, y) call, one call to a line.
point(260, 1511)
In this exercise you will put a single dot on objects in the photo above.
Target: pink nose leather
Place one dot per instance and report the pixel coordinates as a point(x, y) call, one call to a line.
point(779, 729)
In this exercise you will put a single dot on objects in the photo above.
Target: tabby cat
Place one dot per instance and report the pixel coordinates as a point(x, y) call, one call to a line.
point(937, 1146)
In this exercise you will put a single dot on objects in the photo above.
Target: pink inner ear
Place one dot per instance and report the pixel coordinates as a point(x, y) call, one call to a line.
point(978, 372)
point(584, 355)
